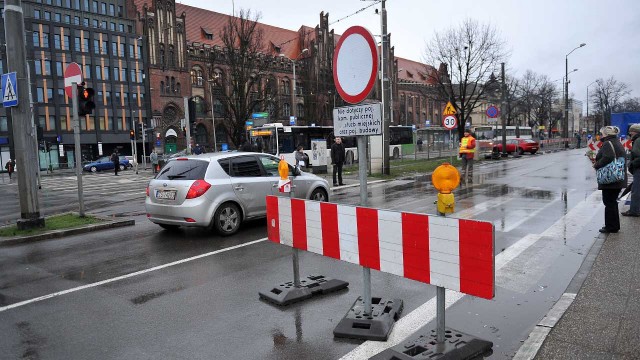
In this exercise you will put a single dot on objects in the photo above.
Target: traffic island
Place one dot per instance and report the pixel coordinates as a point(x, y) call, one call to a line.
point(58, 226)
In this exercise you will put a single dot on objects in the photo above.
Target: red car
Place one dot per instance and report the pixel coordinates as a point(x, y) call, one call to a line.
point(518, 145)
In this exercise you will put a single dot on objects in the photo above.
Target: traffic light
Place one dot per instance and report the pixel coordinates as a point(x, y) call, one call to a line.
point(192, 111)
point(132, 135)
point(85, 101)
point(139, 131)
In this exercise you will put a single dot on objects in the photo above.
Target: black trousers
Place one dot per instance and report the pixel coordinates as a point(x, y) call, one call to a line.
point(337, 170)
point(116, 167)
point(611, 215)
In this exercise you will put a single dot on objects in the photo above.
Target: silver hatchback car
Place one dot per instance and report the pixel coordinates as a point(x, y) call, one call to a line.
point(221, 190)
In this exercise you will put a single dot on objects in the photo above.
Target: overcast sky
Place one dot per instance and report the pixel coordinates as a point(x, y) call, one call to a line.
point(539, 33)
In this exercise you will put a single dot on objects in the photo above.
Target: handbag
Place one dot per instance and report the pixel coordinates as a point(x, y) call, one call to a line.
point(612, 172)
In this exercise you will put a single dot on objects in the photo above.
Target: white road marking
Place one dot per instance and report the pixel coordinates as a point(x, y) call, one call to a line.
point(107, 281)
point(410, 323)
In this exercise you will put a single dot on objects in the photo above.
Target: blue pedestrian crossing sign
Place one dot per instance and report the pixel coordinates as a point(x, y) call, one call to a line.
point(9, 90)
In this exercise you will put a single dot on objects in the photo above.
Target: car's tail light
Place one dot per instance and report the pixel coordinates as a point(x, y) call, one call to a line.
point(182, 159)
point(198, 188)
point(190, 220)
point(147, 190)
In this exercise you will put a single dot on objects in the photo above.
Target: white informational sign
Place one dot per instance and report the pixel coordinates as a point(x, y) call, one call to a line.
point(284, 186)
point(318, 152)
point(100, 149)
point(357, 120)
point(60, 150)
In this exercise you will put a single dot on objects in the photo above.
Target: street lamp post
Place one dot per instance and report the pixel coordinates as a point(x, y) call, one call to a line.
point(594, 124)
point(293, 95)
point(565, 128)
point(213, 117)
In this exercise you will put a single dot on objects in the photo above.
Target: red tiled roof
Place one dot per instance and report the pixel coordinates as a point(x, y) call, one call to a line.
point(198, 19)
point(413, 71)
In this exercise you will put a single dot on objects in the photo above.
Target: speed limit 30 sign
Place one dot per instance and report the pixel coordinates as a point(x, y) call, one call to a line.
point(449, 122)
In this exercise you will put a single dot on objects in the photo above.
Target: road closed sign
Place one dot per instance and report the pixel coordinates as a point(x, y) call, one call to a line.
point(357, 120)
point(355, 64)
point(449, 122)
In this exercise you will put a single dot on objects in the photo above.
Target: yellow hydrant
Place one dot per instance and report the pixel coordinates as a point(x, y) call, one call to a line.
point(445, 179)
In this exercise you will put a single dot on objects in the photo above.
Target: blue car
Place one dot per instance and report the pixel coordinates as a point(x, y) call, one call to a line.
point(105, 163)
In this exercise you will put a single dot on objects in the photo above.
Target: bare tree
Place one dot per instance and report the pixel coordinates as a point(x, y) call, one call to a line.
point(607, 96)
point(242, 91)
point(537, 94)
point(628, 105)
point(471, 52)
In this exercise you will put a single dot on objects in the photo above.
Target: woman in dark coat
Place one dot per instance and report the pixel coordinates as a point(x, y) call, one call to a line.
point(610, 192)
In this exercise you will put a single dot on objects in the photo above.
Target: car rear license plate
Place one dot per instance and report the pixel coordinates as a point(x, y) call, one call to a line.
point(166, 194)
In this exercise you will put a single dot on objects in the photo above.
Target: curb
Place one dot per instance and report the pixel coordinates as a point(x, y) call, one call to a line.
point(55, 234)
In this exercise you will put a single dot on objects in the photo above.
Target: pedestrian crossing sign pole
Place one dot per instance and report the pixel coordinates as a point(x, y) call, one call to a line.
point(9, 90)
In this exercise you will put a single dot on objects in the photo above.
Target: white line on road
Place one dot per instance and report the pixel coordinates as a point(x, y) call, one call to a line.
point(103, 282)
point(410, 323)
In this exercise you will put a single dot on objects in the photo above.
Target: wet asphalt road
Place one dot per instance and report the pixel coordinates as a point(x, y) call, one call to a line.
point(208, 308)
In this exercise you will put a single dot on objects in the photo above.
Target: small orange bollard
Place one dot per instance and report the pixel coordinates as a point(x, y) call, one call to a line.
point(445, 179)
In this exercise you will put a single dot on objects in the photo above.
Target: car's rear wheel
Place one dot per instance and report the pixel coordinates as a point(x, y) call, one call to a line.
point(94, 169)
point(169, 227)
point(121, 167)
point(227, 219)
point(534, 151)
point(319, 195)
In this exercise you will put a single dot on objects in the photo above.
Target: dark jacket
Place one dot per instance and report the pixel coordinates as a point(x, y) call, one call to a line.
point(300, 156)
point(607, 155)
point(634, 159)
point(115, 158)
point(337, 153)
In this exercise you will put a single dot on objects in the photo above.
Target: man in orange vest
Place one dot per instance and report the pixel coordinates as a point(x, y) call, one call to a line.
point(467, 152)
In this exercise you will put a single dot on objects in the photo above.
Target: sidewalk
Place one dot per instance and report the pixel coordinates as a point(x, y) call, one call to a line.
point(603, 322)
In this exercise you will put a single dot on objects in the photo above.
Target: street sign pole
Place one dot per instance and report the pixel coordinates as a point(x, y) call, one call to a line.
point(187, 124)
point(144, 151)
point(23, 146)
point(76, 140)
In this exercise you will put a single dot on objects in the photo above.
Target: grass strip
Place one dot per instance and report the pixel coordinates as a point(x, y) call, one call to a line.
point(55, 222)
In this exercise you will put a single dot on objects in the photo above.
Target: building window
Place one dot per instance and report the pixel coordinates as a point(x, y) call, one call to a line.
point(87, 72)
point(50, 95)
point(86, 45)
point(196, 76)
point(106, 73)
point(95, 23)
point(161, 87)
point(45, 40)
point(300, 110)
point(218, 108)
point(63, 123)
point(178, 92)
point(86, 5)
point(171, 60)
point(38, 67)
point(131, 51)
point(76, 20)
point(98, 72)
point(199, 106)
point(36, 39)
point(121, 52)
point(96, 46)
point(286, 110)
point(57, 17)
point(67, 42)
point(4, 127)
point(59, 70)
point(67, 19)
point(85, 22)
point(112, 10)
point(76, 44)
point(121, 28)
point(107, 95)
point(117, 98)
point(173, 85)
point(36, 14)
point(286, 87)
point(103, 8)
point(114, 48)
point(47, 67)
point(104, 25)
point(105, 47)
point(123, 74)
point(56, 41)
point(47, 15)
point(42, 121)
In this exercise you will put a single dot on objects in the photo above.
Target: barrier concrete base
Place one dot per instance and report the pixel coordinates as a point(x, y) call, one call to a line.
point(377, 326)
point(423, 345)
point(286, 293)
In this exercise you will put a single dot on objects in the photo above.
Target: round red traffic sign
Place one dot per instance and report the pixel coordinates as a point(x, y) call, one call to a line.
point(355, 64)
point(72, 74)
point(449, 121)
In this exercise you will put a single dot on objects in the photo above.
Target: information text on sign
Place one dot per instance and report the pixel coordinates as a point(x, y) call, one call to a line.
point(357, 120)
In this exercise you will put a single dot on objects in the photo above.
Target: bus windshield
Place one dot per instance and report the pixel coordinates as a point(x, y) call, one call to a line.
point(484, 133)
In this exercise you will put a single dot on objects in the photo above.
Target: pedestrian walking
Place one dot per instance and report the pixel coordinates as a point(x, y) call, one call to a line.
point(154, 160)
point(467, 152)
point(337, 159)
point(302, 159)
point(609, 153)
point(634, 169)
point(10, 166)
point(578, 139)
point(419, 143)
point(115, 159)
point(197, 150)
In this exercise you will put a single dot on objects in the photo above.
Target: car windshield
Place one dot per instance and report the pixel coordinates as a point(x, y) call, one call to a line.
point(184, 170)
point(530, 141)
point(104, 159)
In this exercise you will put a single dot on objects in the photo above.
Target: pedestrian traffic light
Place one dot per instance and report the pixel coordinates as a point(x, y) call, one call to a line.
point(139, 131)
point(85, 101)
point(132, 135)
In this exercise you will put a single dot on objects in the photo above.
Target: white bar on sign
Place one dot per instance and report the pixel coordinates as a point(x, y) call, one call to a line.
point(285, 223)
point(314, 227)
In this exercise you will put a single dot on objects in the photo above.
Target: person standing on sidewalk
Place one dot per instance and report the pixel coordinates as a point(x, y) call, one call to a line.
point(610, 151)
point(10, 167)
point(337, 159)
point(467, 152)
point(634, 169)
point(115, 159)
point(154, 160)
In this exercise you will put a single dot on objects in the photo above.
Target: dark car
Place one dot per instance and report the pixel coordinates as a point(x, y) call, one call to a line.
point(105, 163)
point(520, 146)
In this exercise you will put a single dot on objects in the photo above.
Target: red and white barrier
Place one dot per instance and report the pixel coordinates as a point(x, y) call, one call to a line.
point(453, 253)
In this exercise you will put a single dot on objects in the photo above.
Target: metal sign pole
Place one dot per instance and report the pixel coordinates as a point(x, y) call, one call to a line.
point(451, 145)
point(295, 254)
point(362, 176)
point(76, 140)
point(144, 151)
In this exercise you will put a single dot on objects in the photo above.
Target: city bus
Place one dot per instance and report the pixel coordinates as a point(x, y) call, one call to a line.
point(277, 139)
point(524, 132)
